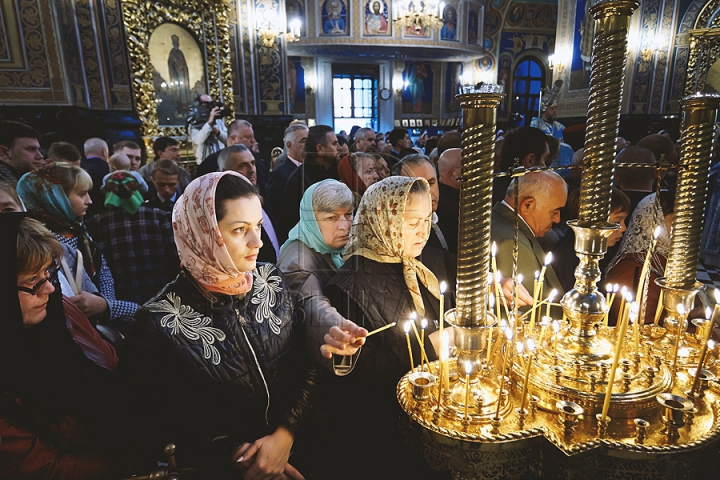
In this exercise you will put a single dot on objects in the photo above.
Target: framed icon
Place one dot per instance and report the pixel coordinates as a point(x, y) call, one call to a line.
point(405, 122)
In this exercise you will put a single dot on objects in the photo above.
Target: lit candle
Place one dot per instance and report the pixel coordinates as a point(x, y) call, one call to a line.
point(407, 336)
point(493, 262)
point(423, 326)
point(556, 329)
point(544, 323)
point(615, 289)
point(443, 287)
point(535, 301)
point(531, 349)
point(499, 293)
point(489, 346)
point(468, 370)
point(646, 265)
point(628, 300)
point(420, 342)
point(705, 341)
point(509, 336)
point(608, 291)
point(442, 358)
point(616, 360)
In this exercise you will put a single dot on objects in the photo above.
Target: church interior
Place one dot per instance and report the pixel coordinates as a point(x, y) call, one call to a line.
point(585, 391)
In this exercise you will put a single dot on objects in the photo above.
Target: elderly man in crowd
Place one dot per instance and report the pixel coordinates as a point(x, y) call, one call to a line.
point(541, 196)
point(449, 204)
point(96, 164)
point(365, 141)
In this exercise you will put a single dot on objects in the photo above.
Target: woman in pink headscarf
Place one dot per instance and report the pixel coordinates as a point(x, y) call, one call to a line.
point(214, 361)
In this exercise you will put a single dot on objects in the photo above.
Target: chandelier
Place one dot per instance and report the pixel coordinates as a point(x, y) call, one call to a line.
point(419, 15)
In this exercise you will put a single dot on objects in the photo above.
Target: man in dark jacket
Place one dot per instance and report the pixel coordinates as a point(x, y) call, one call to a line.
point(321, 159)
point(96, 164)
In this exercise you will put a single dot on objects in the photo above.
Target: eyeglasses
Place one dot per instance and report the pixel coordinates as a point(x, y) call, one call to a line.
point(51, 274)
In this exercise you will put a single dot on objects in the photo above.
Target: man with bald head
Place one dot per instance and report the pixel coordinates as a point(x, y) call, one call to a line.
point(665, 153)
point(449, 204)
point(541, 196)
point(95, 163)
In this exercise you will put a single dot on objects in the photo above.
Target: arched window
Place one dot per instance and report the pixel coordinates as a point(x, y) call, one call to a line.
point(528, 79)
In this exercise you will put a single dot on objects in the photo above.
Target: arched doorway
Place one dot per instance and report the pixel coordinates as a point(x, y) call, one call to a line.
point(528, 80)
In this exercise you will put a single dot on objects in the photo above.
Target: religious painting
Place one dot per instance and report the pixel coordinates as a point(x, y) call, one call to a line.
point(418, 29)
point(405, 122)
point(516, 14)
point(582, 46)
point(417, 95)
point(376, 18)
point(296, 85)
point(543, 15)
point(178, 73)
point(294, 11)
point(412, 122)
point(334, 18)
point(453, 86)
point(449, 28)
point(472, 37)
point(492, 22)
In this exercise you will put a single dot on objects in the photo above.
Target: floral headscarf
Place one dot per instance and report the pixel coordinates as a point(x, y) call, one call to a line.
point(46, 201)
point(200, 244)
point(378, 234)
point(122, 190)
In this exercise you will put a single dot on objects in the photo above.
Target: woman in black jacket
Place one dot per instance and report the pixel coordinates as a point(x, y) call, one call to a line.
point(385, 279)
point(213, 359)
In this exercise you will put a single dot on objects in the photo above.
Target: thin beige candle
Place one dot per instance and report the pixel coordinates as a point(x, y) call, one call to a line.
point(659, 309)
point(706, 339)
point(534, 305)
point(423, 326)
point(443, 287)
point(498, 288)
point(634, 310)
point(441, 359)
point(407, 336)
point(509, 336)
point(550, 298)
point(556, 329)
point(445, 372)
point(468, 369)
point(423, 356)
point(613, 368)
point(646, 265)
point(678, 337)
point(615, 288)
point(622, 305)
point(489, 346)
point(531, 349)
point(377, 330)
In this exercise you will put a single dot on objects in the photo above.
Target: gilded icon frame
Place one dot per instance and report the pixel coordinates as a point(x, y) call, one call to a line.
point(207, 20)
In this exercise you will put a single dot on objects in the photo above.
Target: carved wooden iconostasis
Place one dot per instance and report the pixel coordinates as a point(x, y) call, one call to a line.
point(178, 49)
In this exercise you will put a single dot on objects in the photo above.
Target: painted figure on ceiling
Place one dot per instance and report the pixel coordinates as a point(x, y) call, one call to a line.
point(376, 18)
point(449, 28)
point(334, 18)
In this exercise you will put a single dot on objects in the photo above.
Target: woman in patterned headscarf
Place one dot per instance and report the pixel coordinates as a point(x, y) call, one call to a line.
point(213, 362)
point(58, 196)
point(385, 280)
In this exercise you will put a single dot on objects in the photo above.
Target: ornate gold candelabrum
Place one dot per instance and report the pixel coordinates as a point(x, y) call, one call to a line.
point(474, 426)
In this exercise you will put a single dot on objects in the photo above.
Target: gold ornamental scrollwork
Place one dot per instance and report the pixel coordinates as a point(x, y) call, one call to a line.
point(207, 20)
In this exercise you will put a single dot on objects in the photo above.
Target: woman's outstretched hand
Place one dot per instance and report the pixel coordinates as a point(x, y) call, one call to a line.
point(343, 339)
point(267, 458)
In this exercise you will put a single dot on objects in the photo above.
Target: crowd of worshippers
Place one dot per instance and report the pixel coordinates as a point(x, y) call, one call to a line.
point(228, 314)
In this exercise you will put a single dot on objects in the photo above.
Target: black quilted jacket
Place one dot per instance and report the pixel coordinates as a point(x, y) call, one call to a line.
point(211, 371)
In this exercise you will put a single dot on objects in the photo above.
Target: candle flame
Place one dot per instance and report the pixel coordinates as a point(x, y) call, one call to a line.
point(519, 346)
point(623, 290)
point(413, 315)
point(537, 274)
point(711, 344)
point(658, 231)
point(681, 309)
point(608, 288)
point(468, 368)
point(498, 276)
point(443, 287)
point(509, 334)
point(491, 301)
point(519, 278)
point(628, 297)
point(548, 258)
point(503, 324)
point(545, 321)
point(494, 249)
point(683, 352)
point(717, 296)
point(423, 324)
point(553, 292)
point(530, 345)
point(407, 326)
point(616, 287)
point(556, 326)
point(708, 312)
point(634, 310)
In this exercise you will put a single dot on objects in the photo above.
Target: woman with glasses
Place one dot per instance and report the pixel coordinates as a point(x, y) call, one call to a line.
point(57, 391)
point(58, 195)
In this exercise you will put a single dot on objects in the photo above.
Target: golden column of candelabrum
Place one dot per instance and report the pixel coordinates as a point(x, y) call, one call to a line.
point(612, 21)
point(699, 114)
point(585, 306)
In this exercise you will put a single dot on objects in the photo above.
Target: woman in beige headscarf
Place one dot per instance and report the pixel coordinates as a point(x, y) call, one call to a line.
point(383, 280)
